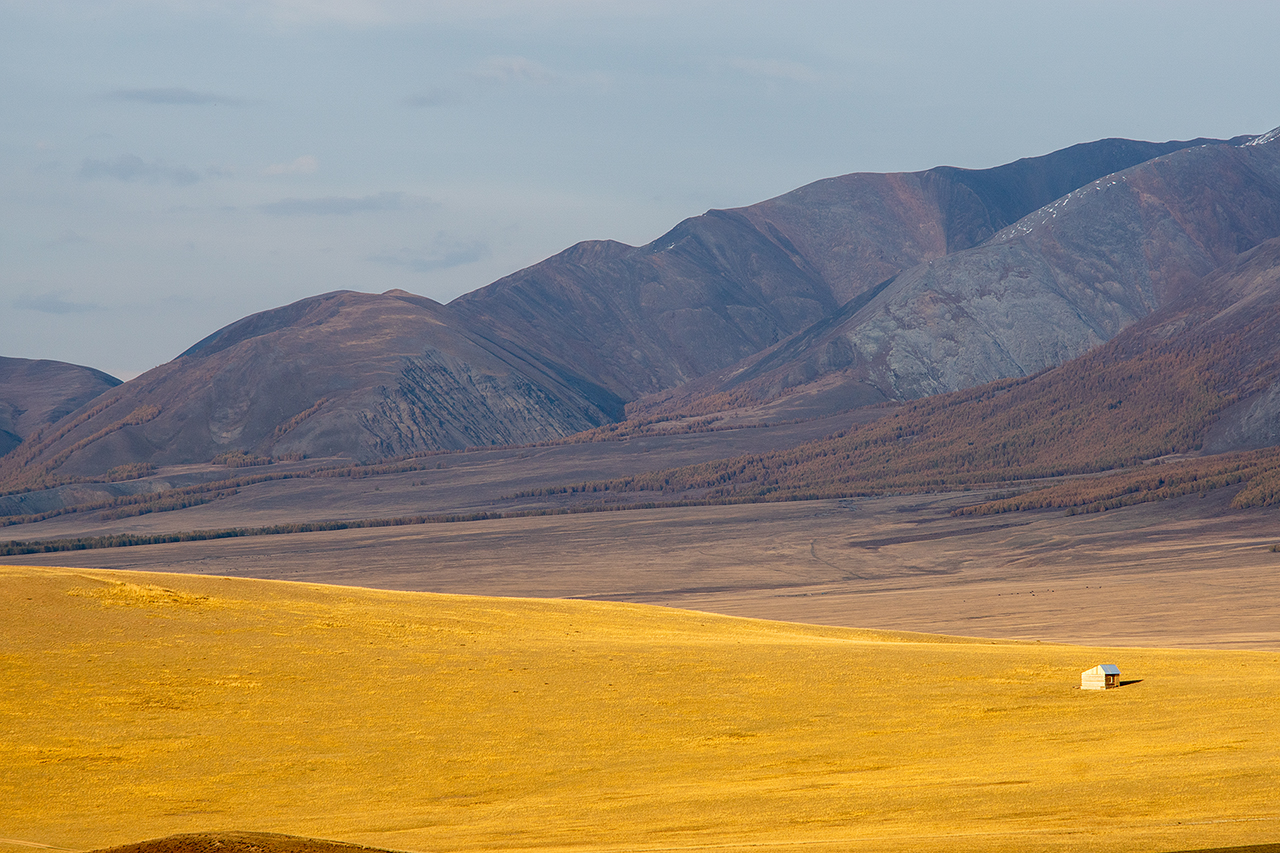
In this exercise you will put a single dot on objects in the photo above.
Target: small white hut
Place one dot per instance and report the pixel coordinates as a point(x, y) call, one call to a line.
point(1104, 676)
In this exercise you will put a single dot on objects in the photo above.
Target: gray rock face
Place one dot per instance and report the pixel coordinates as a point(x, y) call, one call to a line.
point(724, 286)
point(1249, 425)
point(1043, 290)
point(1069, 276)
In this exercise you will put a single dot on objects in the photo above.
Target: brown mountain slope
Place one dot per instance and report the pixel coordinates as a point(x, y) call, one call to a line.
point(1193, 371)
point(561, 346)
point(728, 284)
point(36, 393)
point(860, 229)
point(1060, 281)
point(345, 373)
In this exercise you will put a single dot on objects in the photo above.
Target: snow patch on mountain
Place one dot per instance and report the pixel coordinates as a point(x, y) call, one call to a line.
point(1269, 136)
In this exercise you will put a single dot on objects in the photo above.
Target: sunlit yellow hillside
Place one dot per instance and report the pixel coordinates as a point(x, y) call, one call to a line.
point(135, 706)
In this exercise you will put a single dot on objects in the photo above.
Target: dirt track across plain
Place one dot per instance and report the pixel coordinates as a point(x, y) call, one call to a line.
point(1185, 573)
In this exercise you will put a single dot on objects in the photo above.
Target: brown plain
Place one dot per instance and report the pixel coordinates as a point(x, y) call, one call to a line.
point(1188, 573)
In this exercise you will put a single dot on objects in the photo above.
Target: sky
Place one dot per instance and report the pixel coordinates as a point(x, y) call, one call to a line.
point(170, 166)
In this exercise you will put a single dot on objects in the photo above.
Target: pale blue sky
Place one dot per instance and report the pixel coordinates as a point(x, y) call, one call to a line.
point(169, 166)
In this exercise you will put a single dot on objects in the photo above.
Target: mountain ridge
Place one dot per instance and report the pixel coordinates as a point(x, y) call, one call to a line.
point(1081, 276)
point(861, 276)
point(1202, 373)
point(37, 392)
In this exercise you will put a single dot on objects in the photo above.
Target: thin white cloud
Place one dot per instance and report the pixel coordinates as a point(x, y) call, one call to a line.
point(334, 205)
point(343, 11)
point(430, 98)
point(513, 69)
point(365, 13)
point(170, 96)
point(68, 238)
point(384, 12)
point(445, 255)
point(775, 70)
point(131, 168)
point(53, 303)
point(307, 164)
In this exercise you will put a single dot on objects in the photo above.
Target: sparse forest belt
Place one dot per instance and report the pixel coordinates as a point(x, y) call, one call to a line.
point(403, 464)
point(23, 483)
point(27, 473)
point(125, 540)
point(185, 497)
point(125, 506)
point(1111, 410)
point(188, 496)
point(1258, 470)
point(1114, 409)
point(751, 480)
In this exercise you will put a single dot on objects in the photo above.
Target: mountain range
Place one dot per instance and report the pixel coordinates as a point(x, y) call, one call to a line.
point(851, 291)
point(1200, 375)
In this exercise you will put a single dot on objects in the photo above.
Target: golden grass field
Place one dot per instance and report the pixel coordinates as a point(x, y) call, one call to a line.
point(135, 705)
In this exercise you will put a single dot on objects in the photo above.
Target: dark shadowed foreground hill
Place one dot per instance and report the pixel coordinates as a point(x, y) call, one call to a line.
point(239, 842)
point(898, 286)
point(34, 393)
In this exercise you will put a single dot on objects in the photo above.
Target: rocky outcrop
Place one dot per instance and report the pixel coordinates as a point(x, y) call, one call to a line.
point(726, 285)
point(1058, 282)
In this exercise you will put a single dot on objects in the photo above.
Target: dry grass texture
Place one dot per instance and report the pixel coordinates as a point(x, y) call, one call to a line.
point(135, 706)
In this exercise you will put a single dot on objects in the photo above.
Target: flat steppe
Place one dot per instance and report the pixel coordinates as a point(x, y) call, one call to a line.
point(137, 706)
point(1186, 573)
